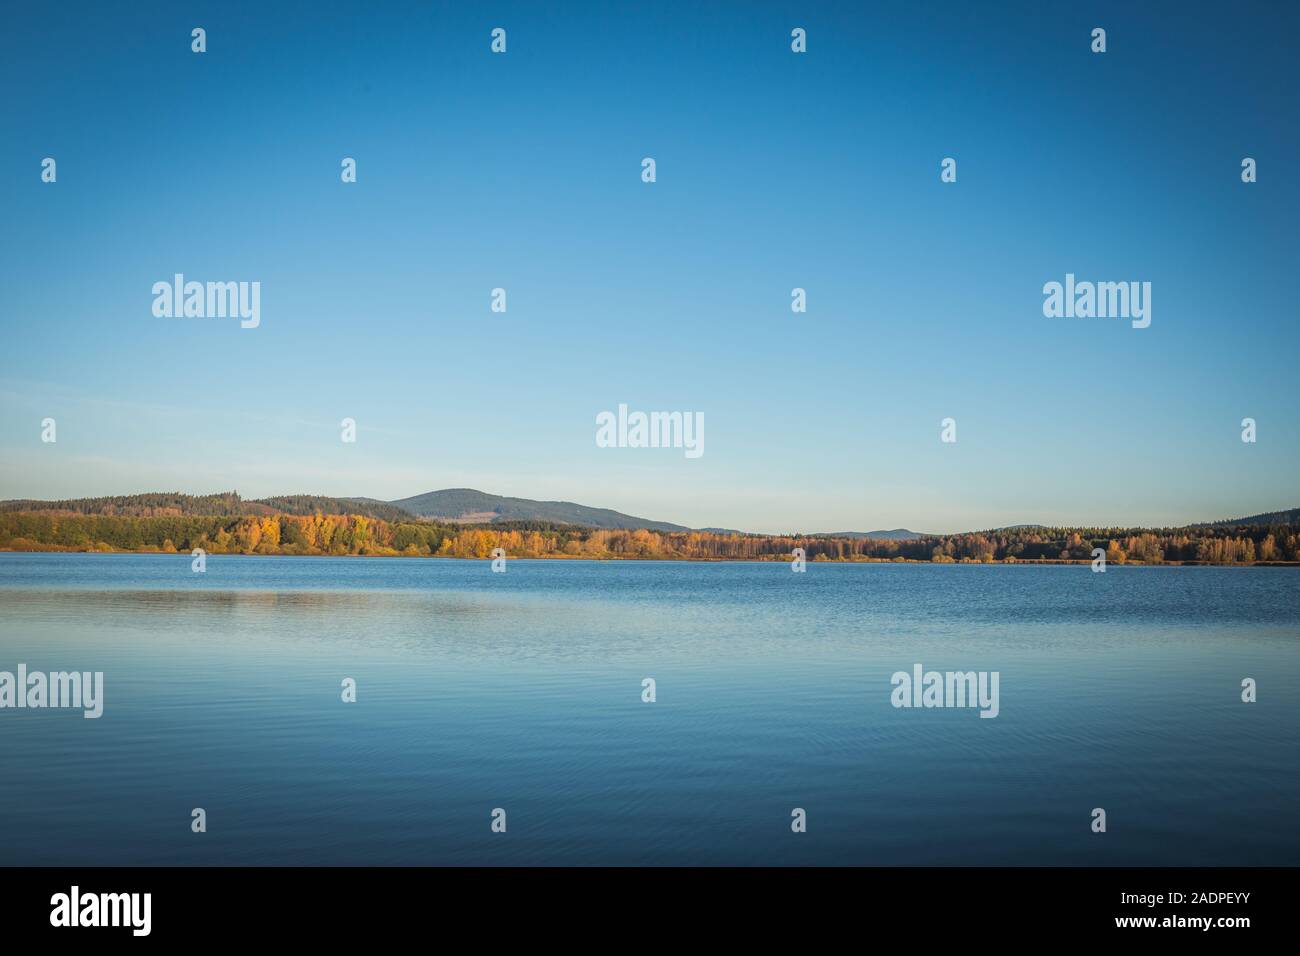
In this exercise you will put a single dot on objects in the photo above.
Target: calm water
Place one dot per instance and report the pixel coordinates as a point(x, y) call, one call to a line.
point(523, 691)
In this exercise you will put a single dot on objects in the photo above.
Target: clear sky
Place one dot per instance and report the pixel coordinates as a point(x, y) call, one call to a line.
point(774, 170)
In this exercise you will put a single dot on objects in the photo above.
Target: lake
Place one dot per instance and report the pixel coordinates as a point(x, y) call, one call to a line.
point(523, 691)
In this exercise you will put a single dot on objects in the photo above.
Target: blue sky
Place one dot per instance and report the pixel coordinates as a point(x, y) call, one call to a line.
point(775, 170)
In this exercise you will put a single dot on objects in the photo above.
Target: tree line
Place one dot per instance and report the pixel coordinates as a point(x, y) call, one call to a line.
point(358, 534)
point(157, 504)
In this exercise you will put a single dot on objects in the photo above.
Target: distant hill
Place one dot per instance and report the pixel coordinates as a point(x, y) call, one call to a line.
point(467, 506)
point(1269, 517)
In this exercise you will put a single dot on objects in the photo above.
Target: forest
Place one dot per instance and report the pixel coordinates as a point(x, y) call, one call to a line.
point(320, 533)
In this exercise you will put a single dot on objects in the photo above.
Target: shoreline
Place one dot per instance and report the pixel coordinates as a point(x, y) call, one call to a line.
point(668, 559)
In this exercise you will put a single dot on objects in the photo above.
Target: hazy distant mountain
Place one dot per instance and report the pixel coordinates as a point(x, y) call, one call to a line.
point(467, 506)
